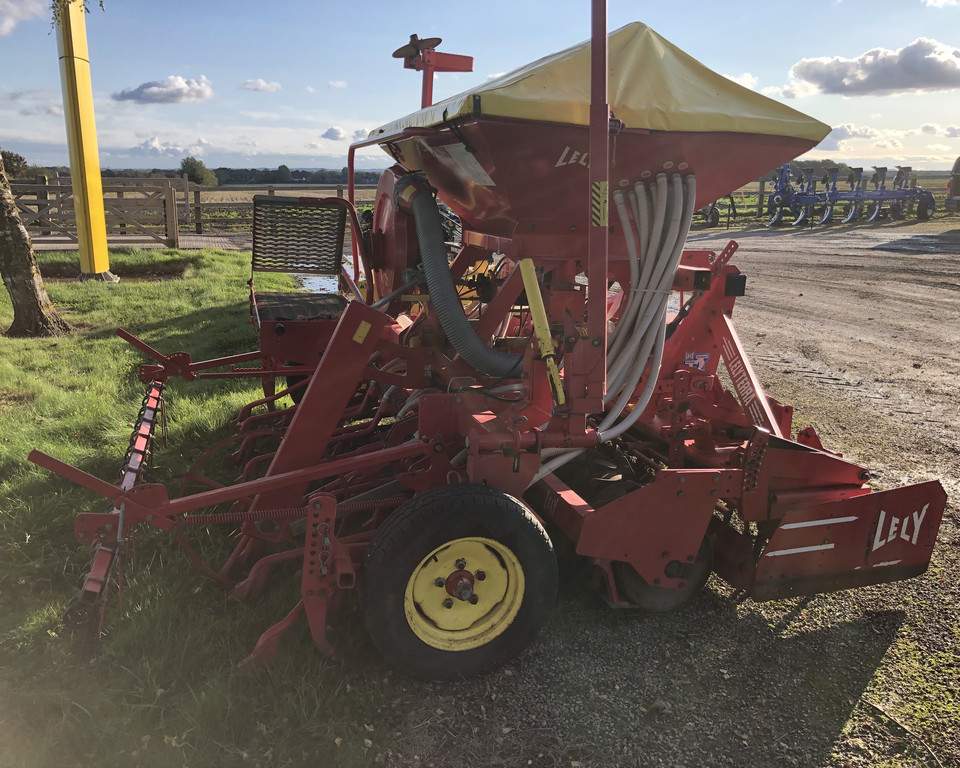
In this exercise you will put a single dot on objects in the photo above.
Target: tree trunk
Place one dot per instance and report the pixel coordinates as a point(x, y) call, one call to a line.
point(33, 314)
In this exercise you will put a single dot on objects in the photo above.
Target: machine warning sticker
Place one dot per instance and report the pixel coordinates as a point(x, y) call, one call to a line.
point(696, 360)
point(598, 203)
point(362, 330)
point(456, 157)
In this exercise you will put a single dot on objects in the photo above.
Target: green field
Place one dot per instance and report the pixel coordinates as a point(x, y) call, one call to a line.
point(164, 692)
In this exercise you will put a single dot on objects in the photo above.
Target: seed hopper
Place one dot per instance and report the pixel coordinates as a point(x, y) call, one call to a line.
point(549, 367)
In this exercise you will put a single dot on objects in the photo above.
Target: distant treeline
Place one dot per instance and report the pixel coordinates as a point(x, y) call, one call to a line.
point(283, 175)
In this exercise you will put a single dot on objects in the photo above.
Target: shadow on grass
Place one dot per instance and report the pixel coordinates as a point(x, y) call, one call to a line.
point(125, 263)
point(721, 683)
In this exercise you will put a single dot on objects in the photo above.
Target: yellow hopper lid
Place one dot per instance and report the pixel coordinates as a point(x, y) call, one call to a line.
point(653, 85)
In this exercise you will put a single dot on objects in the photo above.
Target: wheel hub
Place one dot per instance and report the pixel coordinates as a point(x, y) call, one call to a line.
point(464, 593)
point(459, 584)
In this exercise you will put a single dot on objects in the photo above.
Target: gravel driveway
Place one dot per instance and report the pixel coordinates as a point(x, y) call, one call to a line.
point(858, 327)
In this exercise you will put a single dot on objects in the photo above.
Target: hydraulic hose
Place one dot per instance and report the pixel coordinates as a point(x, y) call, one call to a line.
point(413, 192)
point(686, 216)
point(649, 256)
point(633, 260)
point(640, 346)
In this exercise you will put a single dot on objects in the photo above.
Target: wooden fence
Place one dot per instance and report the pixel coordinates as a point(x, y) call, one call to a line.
point(152, 211)
point(205, 214)
point(142, 212)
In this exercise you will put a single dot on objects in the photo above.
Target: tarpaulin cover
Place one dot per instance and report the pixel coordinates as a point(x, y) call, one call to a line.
point(653, 85)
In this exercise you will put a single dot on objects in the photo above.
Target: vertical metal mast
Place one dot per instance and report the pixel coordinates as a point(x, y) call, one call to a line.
point(597, 246)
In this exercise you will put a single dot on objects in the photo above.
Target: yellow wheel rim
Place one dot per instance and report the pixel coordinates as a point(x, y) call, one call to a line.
point(464, 594)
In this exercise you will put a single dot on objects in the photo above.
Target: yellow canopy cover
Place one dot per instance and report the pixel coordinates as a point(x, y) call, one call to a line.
point(652, 85)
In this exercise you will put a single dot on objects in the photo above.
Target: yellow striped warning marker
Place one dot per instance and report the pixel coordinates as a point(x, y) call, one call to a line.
point(599, 203)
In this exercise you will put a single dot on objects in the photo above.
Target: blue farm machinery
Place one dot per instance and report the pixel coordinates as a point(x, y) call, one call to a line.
point(855, 199)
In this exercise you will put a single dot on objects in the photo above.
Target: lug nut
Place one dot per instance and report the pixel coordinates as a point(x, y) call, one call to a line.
point(474, 599)
point(439, 582)
point(448, 603)
point(481, 575)
point(461, 564)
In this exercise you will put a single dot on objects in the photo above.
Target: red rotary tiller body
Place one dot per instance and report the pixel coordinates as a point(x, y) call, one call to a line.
point(561, 372)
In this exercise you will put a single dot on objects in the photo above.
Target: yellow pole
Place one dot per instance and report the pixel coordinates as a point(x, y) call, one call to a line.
point(82, 140)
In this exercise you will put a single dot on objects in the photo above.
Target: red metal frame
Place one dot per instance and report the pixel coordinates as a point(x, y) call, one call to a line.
point(390, 409)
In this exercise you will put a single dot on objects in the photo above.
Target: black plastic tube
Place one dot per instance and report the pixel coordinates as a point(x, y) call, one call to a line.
point(443, 293)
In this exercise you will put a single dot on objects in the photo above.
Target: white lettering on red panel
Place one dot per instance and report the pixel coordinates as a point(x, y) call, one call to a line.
point(571, 156)
point(906, 528)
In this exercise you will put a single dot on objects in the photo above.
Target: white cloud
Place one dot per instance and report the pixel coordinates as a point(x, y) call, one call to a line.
point(337, 83)
point(746, 79)
point(260, 85)
point(314, 145)
point(795, 89)
point(841, 134)
point(12, 12)
point(153, 147)
point(938, 3)
point(334, 132)
point(54, 110)
point(32, 102)
point(173, 90)
point(939, 147)
point(311, 89)
point(25, 95)
point(360, 133)
point(923, 65)
point(932, 129)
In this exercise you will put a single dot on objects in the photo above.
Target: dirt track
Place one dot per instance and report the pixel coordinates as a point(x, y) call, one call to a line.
point(858, 328)
point(860, 319)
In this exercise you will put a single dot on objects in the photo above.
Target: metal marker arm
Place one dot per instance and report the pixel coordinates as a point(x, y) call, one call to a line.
point(541, 328)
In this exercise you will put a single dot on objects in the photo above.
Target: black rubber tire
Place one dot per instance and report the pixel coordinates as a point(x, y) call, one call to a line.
point(415, 530)
point(654, 599)
point(923, 209)
point(713, 217)
point(296, 395)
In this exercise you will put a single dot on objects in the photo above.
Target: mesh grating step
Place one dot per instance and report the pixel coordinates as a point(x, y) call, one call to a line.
point(298, 234)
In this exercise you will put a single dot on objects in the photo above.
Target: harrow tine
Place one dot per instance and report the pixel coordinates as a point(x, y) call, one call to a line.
point(874, 213)
point(776, 217)
point(803, 215)
point(853, 213)
point(827, 216)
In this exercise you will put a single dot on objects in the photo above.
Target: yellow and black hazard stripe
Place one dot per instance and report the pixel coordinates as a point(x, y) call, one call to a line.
point(599, 203)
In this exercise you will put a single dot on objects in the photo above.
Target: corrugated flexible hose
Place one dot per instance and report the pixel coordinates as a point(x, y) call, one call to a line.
point(443, 293)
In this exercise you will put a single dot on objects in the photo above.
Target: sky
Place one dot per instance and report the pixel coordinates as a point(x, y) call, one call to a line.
point(259, 83)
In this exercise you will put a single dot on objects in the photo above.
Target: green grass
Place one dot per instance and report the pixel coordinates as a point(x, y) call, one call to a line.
point(131, 262)
point(165, 691)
